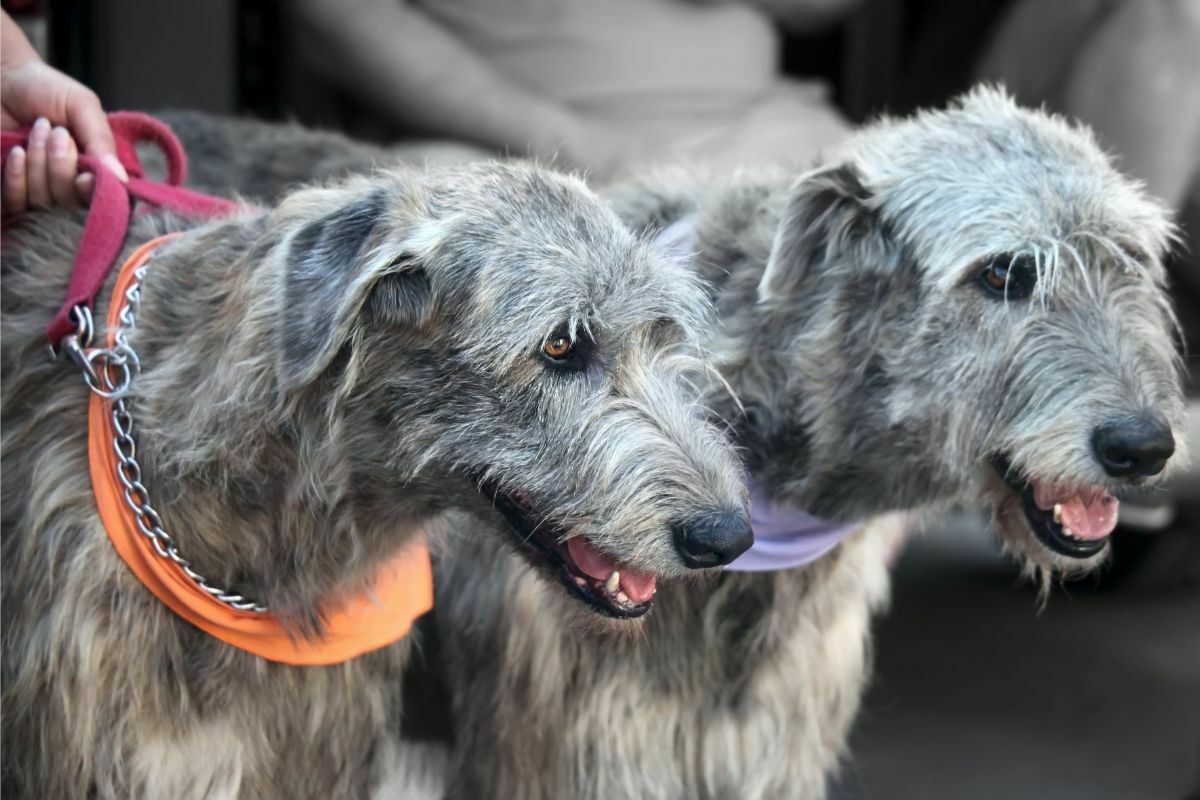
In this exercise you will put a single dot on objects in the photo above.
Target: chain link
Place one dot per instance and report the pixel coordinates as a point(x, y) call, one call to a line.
point(109, 373)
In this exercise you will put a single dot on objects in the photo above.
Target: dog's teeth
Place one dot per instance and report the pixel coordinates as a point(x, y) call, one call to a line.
point(1058, 513)
point(614, 581)
point(1069, 533)
point(580, 581)
point(622, 598)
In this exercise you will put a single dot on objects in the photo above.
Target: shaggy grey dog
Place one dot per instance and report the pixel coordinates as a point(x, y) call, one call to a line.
point(966, 306)
point(318, 381)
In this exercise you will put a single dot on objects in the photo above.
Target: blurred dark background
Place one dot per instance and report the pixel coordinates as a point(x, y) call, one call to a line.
point(977, 693)
point(234, 56)
point(878, 56)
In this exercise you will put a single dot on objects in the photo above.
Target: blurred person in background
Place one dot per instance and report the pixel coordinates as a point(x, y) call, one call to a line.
point(599, 86)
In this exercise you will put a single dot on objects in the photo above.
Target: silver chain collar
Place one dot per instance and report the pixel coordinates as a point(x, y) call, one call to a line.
point(108, 372)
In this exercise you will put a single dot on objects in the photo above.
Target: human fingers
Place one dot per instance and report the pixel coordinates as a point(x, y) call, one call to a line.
point(62, 163)
point(35, 165)
point(15, 190)
point(85, 184)
point(88, 122)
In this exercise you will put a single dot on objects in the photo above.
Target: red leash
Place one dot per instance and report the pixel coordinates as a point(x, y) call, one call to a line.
point(108, 215)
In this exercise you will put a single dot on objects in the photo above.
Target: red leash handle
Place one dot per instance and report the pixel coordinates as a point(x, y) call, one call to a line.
point(107, 221)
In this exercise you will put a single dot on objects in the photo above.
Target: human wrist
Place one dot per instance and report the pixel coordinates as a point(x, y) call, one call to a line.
point(15, 49)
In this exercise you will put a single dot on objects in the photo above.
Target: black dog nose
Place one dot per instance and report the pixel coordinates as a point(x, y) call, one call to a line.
point(1136, 447)
point(713, 540)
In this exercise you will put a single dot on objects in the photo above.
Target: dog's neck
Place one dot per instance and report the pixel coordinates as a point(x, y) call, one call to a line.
point(252, 483)
point(813, 374)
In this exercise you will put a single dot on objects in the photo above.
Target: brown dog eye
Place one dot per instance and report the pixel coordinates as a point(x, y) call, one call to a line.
point(1009, 277)
point(557, 347)
point(996, 276)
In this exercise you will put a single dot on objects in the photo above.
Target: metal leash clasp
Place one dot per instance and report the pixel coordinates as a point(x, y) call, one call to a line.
point(107, 371)
point(75, 345)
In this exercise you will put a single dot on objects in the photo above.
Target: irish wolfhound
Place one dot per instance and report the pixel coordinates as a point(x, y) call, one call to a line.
point(316, 381)
point(967, 306)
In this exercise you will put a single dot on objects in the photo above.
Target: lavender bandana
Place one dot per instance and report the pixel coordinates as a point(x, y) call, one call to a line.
point(786, 537)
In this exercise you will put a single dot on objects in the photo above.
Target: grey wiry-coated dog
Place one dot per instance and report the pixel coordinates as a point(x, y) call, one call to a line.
point(968, 306)
point(317, 381)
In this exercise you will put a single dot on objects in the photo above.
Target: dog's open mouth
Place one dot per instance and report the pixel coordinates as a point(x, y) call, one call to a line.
point(593, 576)
point(1072, 521)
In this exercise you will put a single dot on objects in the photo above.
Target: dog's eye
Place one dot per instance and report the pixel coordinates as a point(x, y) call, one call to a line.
point(558, 347)
point(562, 351)
point(1009, 277)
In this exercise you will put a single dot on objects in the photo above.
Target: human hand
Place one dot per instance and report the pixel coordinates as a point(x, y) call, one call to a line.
point(33, 92)
point(45, 175)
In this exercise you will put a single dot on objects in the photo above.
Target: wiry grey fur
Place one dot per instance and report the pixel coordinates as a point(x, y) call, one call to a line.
point(869, 374)
point(317, 382)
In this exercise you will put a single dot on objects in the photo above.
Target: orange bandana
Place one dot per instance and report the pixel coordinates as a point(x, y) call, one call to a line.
point(402, 589)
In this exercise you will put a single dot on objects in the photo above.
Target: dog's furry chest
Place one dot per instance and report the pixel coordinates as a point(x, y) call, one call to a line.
point(745, 688)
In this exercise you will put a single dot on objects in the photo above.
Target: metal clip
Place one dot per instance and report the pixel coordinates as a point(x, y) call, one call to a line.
point(77, 342)
point(107, 372)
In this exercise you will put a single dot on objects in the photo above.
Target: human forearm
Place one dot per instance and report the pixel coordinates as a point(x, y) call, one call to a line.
point(416, 72)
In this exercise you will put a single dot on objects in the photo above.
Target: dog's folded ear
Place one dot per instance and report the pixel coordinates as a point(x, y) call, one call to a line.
point(827, 213)
point(358, 262)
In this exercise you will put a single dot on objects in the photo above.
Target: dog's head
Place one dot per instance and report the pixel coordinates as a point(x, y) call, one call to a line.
point(997, 291)
point(495, 332)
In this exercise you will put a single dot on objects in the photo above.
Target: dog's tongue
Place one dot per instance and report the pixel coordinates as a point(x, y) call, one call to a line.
point(1090, 514)
point(638, 586)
